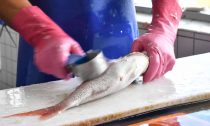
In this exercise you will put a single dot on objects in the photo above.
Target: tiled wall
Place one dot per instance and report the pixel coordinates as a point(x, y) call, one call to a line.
point(189, 43)
point(8, 62)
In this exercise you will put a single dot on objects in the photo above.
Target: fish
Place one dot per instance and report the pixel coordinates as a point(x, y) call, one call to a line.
point(119, 75)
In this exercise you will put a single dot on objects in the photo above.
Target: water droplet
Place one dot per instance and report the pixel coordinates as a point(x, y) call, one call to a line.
point(97, 35)
point(149, 44)
point(47, 37)
point(174, 16)
point(149, 29)
point(92, 5)
point(43, 26)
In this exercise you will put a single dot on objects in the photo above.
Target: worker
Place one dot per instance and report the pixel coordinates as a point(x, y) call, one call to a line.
point(76, 26)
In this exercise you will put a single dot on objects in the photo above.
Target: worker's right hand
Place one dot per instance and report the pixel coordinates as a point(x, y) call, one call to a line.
point(52, 54)
point(52, 46)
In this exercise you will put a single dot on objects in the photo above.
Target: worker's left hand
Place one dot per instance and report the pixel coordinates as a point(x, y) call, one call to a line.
point(160, 52)
point(159, 41)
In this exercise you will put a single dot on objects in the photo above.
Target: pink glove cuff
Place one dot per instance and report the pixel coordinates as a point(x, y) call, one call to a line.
point(166, 17)
point(38, 22)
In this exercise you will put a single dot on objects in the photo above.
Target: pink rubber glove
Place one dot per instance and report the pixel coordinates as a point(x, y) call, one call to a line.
point(52, 45)
point(159, 41)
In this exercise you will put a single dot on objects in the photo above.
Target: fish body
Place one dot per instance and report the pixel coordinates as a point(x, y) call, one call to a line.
point(120, 74)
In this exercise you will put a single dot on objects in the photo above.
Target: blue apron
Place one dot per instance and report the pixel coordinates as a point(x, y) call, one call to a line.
point(109, 25)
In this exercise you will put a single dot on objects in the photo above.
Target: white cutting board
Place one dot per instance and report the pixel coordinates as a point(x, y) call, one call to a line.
point(189, 81)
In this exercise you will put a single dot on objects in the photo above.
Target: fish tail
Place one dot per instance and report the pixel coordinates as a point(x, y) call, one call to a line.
point(44, 114)
point(30, 113)
point(53, 112)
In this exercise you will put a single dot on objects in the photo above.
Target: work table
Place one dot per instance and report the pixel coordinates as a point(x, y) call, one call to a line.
point(189, 81)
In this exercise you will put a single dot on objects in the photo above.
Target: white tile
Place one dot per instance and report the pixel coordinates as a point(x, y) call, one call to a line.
point(7, 39)
point(14, 67)
point(14, 54)
point(9, 65)
point(4, 76)
point(3, 50)
point(9, 79)
point(1, 76)
point(4, 86)
point(13, 81)
point(185, 46)
point(202, 46)
point(4, 63)
point(8, 52)
point(11, 30)
point(17, 40)
point(0, 62)
point(2, 39)
point(13, 40)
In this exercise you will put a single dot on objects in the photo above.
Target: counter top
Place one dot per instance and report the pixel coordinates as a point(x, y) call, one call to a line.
point(189, 81)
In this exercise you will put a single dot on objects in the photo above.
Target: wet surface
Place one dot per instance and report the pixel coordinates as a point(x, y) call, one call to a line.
point(197, 114)
point(188, 82)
